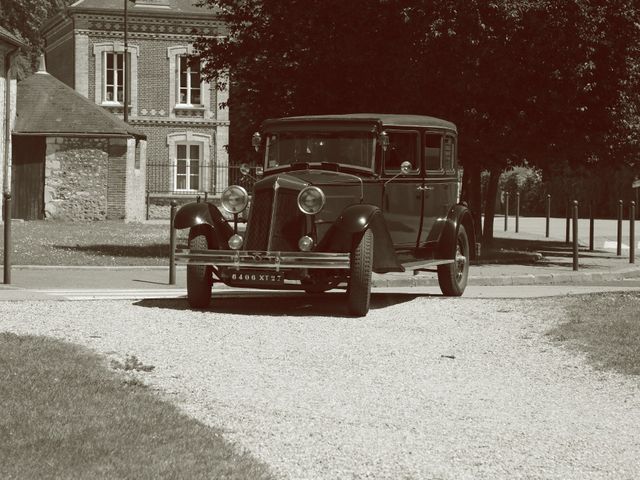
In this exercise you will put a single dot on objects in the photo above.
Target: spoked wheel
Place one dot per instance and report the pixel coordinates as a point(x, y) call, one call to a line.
point(359, 288)
point(199, 279)
point(452, 277)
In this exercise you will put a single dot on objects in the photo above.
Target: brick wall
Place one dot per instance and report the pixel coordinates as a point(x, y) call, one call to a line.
point(76, 174)
point(116, 181)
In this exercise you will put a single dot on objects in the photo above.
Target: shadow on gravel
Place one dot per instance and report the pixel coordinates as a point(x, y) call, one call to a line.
point(533, 252)
point(136, 251)
point(289, 304)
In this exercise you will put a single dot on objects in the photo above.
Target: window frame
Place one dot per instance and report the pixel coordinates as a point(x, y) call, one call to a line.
point(188, 167)
point(100, 65)
point(418, 167)
point(189, 87)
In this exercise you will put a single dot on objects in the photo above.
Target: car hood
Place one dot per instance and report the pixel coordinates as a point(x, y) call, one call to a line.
point(302, 178)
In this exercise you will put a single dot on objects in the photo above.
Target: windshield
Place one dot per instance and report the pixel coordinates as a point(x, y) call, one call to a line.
point(356, 149)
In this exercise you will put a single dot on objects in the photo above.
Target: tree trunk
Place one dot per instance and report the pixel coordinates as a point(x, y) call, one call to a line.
point(472, 194)
point(490, 207)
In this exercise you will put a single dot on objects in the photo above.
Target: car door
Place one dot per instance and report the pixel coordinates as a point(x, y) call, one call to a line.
point(402, 194)
point(440, 179)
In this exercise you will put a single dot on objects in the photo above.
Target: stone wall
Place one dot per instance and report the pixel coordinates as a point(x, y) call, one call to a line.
point(76, 178)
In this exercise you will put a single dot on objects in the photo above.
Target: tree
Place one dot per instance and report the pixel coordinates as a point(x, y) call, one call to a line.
point(534, 80)
point(24, 18)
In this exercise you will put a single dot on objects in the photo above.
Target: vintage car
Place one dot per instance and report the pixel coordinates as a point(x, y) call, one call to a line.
point(339, 196)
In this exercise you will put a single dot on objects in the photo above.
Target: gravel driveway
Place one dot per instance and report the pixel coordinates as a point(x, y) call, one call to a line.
point(422, 388)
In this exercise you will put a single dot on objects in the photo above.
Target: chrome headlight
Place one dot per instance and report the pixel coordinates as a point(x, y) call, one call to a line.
point(234, 199)
point(311, 200)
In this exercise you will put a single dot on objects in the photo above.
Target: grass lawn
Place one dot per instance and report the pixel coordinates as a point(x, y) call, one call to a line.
point(66, 415)
point(606, 327)
point(90, 243)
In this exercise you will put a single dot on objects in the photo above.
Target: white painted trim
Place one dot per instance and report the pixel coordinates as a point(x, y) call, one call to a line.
point(204, 141)
point(99, 49)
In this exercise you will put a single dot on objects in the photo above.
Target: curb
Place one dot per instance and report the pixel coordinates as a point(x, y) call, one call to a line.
point(573, 278)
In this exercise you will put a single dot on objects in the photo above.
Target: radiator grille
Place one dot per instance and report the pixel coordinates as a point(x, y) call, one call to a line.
point(288, 221)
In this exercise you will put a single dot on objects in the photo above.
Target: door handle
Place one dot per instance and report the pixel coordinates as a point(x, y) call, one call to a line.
point(424, 189)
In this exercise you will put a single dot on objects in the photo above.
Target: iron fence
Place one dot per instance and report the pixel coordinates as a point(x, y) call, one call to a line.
point(169, 179)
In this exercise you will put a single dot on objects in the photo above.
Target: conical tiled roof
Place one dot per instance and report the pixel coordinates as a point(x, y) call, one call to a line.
point(48, 106)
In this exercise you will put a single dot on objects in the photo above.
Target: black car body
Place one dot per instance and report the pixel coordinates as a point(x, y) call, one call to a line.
point(341, 196)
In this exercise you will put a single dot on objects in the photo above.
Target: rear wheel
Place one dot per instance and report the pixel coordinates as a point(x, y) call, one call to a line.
point(199, 280)
point(359, 288)
point(452, 277)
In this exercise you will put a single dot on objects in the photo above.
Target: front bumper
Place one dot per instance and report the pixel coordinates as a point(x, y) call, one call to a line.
point(263, 260)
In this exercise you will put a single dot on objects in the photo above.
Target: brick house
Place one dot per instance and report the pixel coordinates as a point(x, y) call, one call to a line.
point(9, 47)
point(73, 160)
point(169, 101)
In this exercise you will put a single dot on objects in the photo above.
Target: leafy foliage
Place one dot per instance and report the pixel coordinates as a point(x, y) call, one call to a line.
point(539, 80)
point(25, 17)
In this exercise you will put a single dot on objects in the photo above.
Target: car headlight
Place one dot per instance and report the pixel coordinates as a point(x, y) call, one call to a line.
point(311, 200)
point(234, 199)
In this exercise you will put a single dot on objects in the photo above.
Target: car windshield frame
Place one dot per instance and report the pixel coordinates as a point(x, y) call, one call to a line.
point(348, 149)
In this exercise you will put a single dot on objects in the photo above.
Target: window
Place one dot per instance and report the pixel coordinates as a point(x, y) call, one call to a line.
point(114, 77)
point(188, 161)
point(189, 81)
point(190, 94)
point(403, 147)
point(448, 153)
point(432, 151)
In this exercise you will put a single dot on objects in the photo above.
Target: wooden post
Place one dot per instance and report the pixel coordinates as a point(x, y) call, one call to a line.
point(172, 245)
point(575, 235)
point(619, 247)
point(506, 211)
point(632, 232)
point(517, 212)
point(591, 227)
point(546, 233)
point(568, 223)
point(7, 238)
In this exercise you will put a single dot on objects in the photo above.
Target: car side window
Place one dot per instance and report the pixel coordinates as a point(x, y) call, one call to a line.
point(448, 153)
point(403, 146)
point(433, 151)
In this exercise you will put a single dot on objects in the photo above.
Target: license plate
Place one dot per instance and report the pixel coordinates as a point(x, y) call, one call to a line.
point(255, 277)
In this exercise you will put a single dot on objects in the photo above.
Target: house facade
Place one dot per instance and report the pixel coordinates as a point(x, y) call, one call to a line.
point(9, 47)
point(187, 133)
point(71, 159)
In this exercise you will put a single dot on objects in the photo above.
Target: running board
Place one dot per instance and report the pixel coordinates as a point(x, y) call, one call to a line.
point(425, 265)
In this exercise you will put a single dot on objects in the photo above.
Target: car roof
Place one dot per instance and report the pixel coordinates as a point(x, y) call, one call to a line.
point(385, 119)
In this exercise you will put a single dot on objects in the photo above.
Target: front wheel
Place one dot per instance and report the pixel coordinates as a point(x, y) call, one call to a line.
point(452, 277)
point(359, 288)
point(199, 279)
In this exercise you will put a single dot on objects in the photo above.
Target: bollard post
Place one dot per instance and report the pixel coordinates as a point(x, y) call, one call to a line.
point(568, 223)
point(148, 199)
point(7, 238)
point(517, 212)
point(172, 245)
point(546, 232)
point(206, 196)
point(575, 235)
point(591, 227)
point(632, 232)
point(619, 247)
point(506, 211)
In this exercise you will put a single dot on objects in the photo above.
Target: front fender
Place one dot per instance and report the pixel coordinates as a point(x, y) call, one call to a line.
point(351, 224)
point(446, 232)
point(203, 214)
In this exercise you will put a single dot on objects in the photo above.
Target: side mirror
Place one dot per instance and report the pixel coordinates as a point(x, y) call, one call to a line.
point(406, 167)
point(256, 140)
